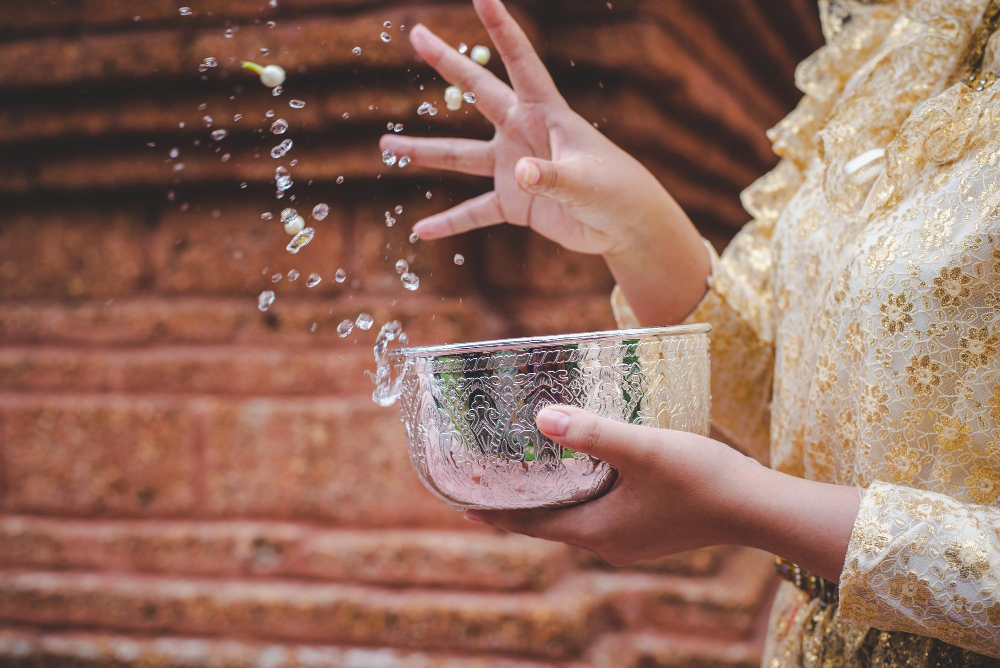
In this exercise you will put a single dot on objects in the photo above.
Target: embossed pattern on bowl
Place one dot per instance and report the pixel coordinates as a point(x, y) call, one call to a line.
point(469, 409)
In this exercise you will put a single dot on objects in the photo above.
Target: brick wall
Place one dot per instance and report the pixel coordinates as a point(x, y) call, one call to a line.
point(187, 481)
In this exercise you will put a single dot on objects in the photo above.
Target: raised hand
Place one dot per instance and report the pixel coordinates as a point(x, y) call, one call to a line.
point(555, 173)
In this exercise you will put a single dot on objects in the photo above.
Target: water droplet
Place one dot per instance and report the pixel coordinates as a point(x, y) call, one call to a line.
point(300, 240)
point(345, 328)
point(387, 25)
point(312, 327)
point(210, 62)
point(277, 277)
point(296, 104)
point(459, 259)
point(178, 166)
point(237, 117)
point(399, 209)
point(313, 280)
point(282, 178)
point(356, 51)
point(281, 149)
point(277, 90)
point(288, 215)
point(340, 179)
point(320, 211)
point(386, 37)
point(219, 134)
point(340, 276)
point(174, 153)
point(410, 281)
point(402, 266)
point(230, 32)
point(389, 220)
point(470, 98)
point(265, 300)
point(267, 215)
point(272, 3)
point(398, 127)
point(269, 113)
point(279, 126)
point(345, 115)
point(463, 48)
point(404, 161)
point(365, 321)
point(271, 24)
point(185, 11)
point(264, 51)
point(414, 237)
point(388, 157)
point(428, 195)
point(426, 108)
point(293, 275)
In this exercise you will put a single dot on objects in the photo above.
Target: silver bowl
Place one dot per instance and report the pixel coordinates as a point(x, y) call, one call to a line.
point(469, 409)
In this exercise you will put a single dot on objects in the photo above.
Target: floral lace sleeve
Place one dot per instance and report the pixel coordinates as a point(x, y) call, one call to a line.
point(742, 350)
point(925, 563)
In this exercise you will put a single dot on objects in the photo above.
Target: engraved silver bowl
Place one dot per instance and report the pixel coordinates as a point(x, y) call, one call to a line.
point(469, 409)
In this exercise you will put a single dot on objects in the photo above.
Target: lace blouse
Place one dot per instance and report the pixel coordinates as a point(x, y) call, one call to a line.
point(855, 332)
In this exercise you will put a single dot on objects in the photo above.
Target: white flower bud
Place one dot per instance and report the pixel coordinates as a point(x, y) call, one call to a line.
point(480, 54)
point(453, 98)
point(295, 225)
point(270, 76)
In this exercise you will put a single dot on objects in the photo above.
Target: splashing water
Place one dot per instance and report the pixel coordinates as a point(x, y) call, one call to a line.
point(345, 328)
point(340, 276)
point(410, 281)
point(300, 240)
point(402, 266)
point(388, 157)
point(403, 162)
point(321, 211)
point(279, 126)
point(265, 300)
point(365, 321)
point(296, 104)
point(386, 37)
point(185, 11)
point(281, 149)
point(459, 259)
point(313, 280)
point(282, 179)
point(387, 390)
point(399, 209)
point(356, 51)
point(293, 274)
point(470, 98)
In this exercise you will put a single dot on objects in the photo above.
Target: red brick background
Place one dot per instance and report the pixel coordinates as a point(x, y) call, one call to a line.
point(186, 481)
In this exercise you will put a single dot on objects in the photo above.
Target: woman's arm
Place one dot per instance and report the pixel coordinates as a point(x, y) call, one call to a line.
point(555, 173)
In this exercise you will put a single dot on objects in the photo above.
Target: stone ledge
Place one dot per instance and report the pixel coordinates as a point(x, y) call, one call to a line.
point(551, 625)
point(466, 559)
point(21, 648)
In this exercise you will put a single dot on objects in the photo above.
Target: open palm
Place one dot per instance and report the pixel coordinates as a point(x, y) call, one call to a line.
point(552, 170)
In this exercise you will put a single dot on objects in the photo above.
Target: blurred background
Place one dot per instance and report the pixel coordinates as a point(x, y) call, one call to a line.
point(188, 481)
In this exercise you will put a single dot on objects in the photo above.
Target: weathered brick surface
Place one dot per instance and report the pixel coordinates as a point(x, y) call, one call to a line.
point(223, 250)
point(451, 560)
point(117, 456)
point(427, 319)
point(555, 625)
point(19, 648)
point(67, 253)
point(339, 461)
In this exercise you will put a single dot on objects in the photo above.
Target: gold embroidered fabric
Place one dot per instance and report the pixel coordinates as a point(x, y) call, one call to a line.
point(856, 338)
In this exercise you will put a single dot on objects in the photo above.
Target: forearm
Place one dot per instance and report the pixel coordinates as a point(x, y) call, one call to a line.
point(663, 270)
point(807, 522)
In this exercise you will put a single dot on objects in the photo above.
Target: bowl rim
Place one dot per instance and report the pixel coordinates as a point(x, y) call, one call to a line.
point(501, 345)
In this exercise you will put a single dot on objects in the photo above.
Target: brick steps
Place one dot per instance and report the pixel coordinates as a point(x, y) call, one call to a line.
point(556, 624)
point(648, 650)
point(559, 623)
point(30, 649)
point(469, 559)
point(222, 320)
